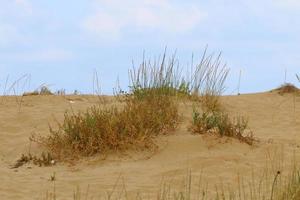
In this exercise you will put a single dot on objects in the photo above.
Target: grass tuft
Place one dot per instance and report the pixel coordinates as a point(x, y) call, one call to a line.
point(161, 77)
point(221, 124)
point(44, 90)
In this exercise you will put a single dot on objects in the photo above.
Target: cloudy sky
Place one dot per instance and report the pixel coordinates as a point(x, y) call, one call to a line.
point(61, 43)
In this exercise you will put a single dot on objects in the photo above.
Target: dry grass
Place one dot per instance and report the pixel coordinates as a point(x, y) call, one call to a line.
point(43, 90)
point(287, 88)
point(100, 130)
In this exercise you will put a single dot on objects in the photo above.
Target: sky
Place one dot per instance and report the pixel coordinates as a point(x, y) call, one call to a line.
point(62, 43)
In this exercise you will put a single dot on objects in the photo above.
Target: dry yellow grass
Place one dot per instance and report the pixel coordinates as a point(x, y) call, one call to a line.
point(99, 130)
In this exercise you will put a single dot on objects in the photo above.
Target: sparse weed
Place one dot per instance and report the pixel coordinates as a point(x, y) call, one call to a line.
point(43, 90)
point(208, 85)
point(45, 159)
point(61, 92)
point(268, 186)
point(221, 124)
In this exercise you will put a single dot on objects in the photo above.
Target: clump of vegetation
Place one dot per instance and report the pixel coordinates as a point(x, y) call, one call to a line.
point(208, 82)
point(204, 79)
point(99, 130)
point(212, 118)
point(149, 110)
point(45, 159)
point(159, 77)
point(221, 124)
point(287, 88)
point(44, 90)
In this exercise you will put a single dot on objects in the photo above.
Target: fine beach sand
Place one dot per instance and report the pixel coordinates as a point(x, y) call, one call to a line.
point(273, 118)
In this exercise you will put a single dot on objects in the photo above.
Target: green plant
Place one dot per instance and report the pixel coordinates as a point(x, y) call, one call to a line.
point(206, 78)
point(220, 123)
point(162, 77)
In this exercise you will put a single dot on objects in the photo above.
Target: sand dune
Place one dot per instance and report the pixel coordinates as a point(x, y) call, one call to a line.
point(273, 118)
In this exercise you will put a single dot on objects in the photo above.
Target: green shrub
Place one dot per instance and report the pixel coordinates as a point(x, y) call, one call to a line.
point(162, 77)
point(221, 124)
point(206, 78)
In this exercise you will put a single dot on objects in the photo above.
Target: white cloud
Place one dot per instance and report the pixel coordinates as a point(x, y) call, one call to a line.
point(112, 17)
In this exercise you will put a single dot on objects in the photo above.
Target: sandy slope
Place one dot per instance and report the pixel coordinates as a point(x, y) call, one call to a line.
point(274, 119)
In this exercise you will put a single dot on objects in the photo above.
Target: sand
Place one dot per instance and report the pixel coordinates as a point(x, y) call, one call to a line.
point(273, 118)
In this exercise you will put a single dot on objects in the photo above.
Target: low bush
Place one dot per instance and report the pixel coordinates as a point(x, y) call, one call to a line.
point(221, 124)
point(44, 90)
point(99, 130)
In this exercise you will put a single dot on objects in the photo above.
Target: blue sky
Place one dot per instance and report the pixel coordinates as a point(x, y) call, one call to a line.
point(61, 43)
